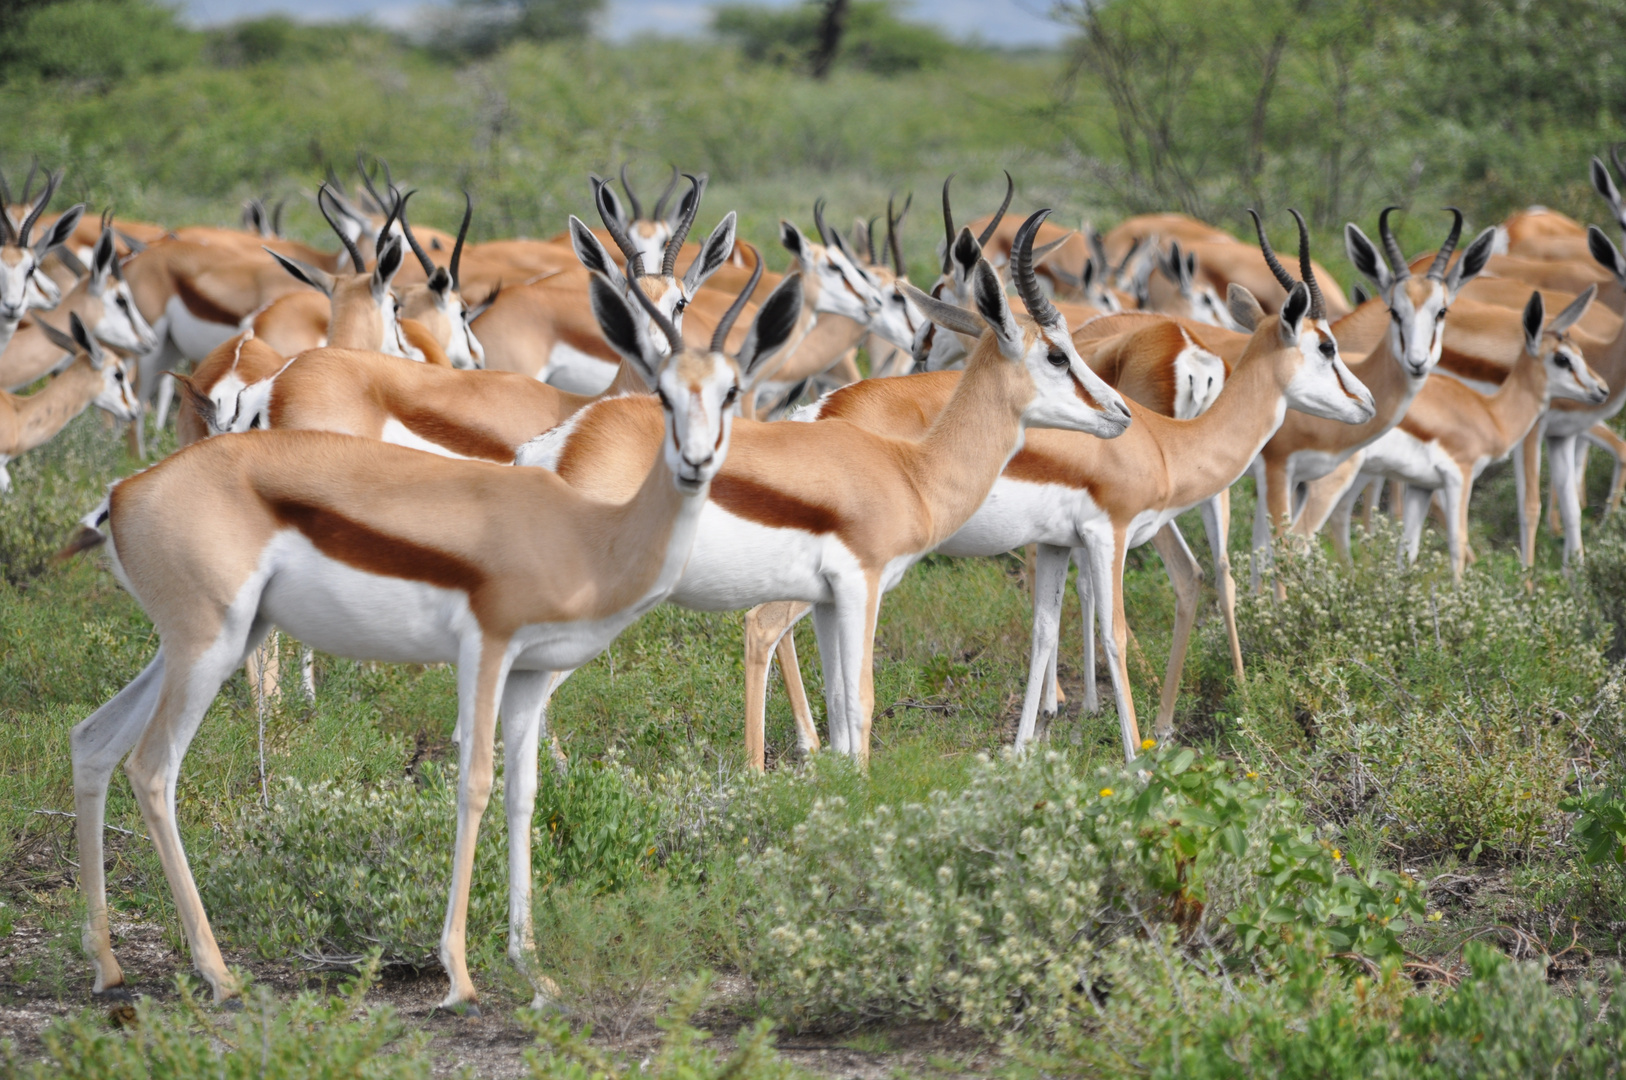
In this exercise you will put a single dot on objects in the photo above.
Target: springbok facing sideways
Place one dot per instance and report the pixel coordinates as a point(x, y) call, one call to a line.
point(375, 552)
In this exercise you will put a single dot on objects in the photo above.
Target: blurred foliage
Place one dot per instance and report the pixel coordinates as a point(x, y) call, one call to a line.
point(94, 42)
point(875, 38)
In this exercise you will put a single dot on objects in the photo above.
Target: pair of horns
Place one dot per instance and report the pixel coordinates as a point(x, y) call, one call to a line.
point(323, 194)
point(1397, 258)
point(688, 210)
point(428, 264)
point(719, 336)
point(22, 233)
point(1318, 303)
point(660, 203)
point(1022, 275)
point(988, 230)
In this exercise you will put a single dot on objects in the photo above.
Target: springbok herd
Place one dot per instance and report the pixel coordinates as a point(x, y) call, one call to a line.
point(498, 455)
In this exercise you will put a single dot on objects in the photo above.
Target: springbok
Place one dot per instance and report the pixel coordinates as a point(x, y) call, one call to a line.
point(22, 286)
point(381, 553)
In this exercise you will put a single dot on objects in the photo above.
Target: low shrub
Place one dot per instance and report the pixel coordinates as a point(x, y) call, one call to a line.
point(997, 906)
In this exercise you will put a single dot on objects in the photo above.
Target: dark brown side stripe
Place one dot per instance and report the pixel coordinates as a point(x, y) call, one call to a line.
point(765, 506)
point(374, 552)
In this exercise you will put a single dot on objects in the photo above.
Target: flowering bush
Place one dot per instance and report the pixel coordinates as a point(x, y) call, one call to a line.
point(996, 906)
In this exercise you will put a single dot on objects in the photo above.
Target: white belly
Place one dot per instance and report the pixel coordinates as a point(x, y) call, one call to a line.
point(196, 338)
point(738, 564)
point(576, 372)
point(1017, 513)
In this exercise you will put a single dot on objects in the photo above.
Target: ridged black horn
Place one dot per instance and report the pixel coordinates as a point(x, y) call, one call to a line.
point(719, 336)
point(1318, 303)
point(1283, 278)
point(1027, 284)
point(632, 200)
point(948, 227)
point(462, 233)
point(25, 231)
point(635, 258)
point(681, 232)
point(1442, 259)
point(893, 224)
point(424, 260)
point(1391, 246)
point(674, 338)
point(323, 193)
point(999, 215)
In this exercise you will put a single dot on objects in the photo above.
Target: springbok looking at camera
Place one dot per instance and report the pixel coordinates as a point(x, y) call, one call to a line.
point(375, 552)
point(22, 286)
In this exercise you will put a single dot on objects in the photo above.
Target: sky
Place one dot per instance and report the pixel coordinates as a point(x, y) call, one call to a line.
point(999, 22)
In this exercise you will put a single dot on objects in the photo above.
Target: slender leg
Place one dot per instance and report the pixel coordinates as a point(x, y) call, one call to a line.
point(1186, 577)
point(1107, 567)
point(1417, 500)
point(481, 672)
point(1264, 475)
point(1456, 493)
point(790, 669)
point(1050, 583)
point(1339, 521)
point(1604, 436)
point(1280, 485)
point(765, 631)
point(864, 648)
point(1217, 523)
point(1324, 494)
point(1527, 485)
point(99, 743)
point(1053, 695)
point(166, 397)
point(307, 673)
point(1086, 609)
point(523, 700)
point(1374, 495)
point(154, 766)
point(1567, 484)
point(827, 628)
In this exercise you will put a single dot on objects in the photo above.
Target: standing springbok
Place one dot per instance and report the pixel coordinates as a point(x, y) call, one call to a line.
point(22, 286)
point(379, 553)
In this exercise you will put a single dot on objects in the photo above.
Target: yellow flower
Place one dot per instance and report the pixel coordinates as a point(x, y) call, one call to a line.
point(1106, 793)
point(1253, 776)
point(1337, 855)
point(1434, 916)
point(1148, 744)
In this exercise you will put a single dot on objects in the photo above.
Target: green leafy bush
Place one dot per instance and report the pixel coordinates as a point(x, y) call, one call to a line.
point(875, 38)
point(1605, 574)
point(308, 1038)
point(52, 487)
point(995, 906)
point(96, 41)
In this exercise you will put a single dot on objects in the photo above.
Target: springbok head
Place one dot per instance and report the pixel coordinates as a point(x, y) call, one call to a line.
point(361, 295)
point(22, 286)
point(438, 303)
point(1569, 376)
point(112, 314)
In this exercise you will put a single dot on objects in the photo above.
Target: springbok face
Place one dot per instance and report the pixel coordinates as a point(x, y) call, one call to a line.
point(119, 323)
point(115, 395)
point(1417, 306)
point(1569, 377)
point(836, 284)
point(22, 284)
point(899, 319)
point(697, 389)
point(1322, 385)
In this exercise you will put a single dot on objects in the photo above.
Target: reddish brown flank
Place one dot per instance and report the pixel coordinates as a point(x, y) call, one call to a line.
point(374, 552)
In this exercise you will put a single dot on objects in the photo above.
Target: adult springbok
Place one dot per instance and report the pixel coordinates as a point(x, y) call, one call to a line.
point(93, 378)
point(22, 286)
point(379, 553)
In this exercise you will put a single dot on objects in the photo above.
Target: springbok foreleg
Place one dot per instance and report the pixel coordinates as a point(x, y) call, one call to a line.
point(99, 743)
point(767, 629)
point(1338, 521)
point(1106, 569)
point(1186, 577)
point(1527, 488)
point(1455, 495)
point(1604, 436)
point(481, 671)
point(1567, 486)
point(1217, 523)
point(1049, 585)
point(523, 702)
point(1083, 585)
point(1416, 516)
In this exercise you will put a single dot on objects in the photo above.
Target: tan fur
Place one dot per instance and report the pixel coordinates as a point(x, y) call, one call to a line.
point(30, 353)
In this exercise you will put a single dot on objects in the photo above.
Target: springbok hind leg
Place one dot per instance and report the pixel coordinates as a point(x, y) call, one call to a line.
point(1050, 583)
point(766, 627)
point(1186, 577)
point(524, 699)
point(1217, 523)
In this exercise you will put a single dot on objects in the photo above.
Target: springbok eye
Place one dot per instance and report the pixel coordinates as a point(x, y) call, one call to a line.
point(1057, 358)
point(118, 375)
point(1563, 361)
point(732, 396)
point(1328, 349)
point(666, 402)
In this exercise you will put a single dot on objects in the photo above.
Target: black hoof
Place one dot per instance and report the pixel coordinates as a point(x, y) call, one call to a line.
point(113, 993)
point(231, 1005)
point(467, 1011)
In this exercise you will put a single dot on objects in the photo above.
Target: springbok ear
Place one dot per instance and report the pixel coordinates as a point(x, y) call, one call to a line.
point(1605, 252)
point(1190, 269)
point(792, 240)
point(86, 341)
point(623, 329)
point(56, 337)
point(611, 204)
point(996, 310)
point(1605, 186)
point(1534, 314)
point(1243, 306)
point(1293, 313)
point(1358, 293)
point(310, 275)
point(713, 254)
point(592, 253)
point(389, 261)
point(101, 259)
point(1364, 255)
point(771, 329)
point(1472, 262)
point(1564, 320)
point(948, 316)
point(60, 230)
point(201, 403)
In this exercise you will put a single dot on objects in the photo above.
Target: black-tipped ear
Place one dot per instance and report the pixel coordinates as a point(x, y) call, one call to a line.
point(775, 322)
point(310, 275)
point(1293, 313)
point(1190, 269)
point(83, 339)
point(101, 260)
point(622, 328)
point(1473, 260)
point(1363, 254)
point(590, 251)
point(1243, 306)
point(1359, 294)
point(60, 229)
point(989, 295)
point(1573, 312)
point(790, 238)
point(610, 204)
point(389, 261)
point(713, 254)
point(1604, 184)
point(1535, 313)
point(1605, 252)
point(967, 251)
point(56, 337)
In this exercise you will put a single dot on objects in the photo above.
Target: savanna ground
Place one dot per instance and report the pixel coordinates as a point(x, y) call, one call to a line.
point(1391, 850)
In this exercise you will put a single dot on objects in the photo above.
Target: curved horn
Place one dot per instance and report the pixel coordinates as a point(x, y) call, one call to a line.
point(1391, 246)
point(1283, 278)
point(674, 337)
point(635, 259)
point(1318, 303)
point(948, 227)
point(1442, 259)
point(719, 336)
point(384, 230)
point(681, 232)
point(869, 239)
point(1027, 285)
point(349, 244)
point(51, 181)
point(1614, 155)
point(424, 260)
point(457, 249)
point(632, 200)
point(818, 223)
point(361, 167)
point(276, 216)
point(28, 181)
point(999, 215)
point(893, 224)
point(659, 213)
